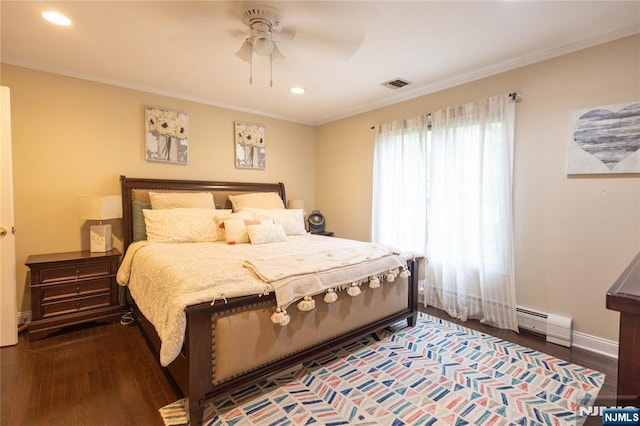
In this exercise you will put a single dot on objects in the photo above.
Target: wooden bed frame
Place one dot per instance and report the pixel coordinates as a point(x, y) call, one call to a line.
point(192, 372)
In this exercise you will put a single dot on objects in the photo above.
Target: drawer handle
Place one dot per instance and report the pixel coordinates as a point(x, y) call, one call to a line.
point(77, 275)
point(78, 305)
point(78, 289)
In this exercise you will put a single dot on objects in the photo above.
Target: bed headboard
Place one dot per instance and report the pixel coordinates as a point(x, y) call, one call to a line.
point(138, 189)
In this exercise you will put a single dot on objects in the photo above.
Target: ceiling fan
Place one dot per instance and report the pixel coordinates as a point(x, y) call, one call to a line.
point(315, 38)
point(262, 22)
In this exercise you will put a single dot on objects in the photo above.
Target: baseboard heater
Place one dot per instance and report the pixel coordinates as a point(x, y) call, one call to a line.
point(556, 328)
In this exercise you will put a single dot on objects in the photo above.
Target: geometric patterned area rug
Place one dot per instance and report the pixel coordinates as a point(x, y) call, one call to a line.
point(435, 373)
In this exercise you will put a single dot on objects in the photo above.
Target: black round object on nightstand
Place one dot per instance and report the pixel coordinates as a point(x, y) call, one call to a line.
point(316, 222)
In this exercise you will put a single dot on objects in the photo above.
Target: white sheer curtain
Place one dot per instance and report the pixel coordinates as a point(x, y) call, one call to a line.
point(400, 185)
point(470, 245)
point(447, 193)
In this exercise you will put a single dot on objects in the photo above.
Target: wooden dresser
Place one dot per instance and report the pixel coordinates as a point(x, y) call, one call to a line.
point(624, 296)
point(72, 288)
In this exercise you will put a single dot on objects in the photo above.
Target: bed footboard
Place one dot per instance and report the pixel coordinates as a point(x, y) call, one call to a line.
point(247, 347)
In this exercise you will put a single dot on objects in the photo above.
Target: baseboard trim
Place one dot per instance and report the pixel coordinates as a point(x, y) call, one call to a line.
point(595, 344)
point(23, 317)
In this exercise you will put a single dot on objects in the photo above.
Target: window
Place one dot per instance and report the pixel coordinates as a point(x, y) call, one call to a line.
point(445, 191)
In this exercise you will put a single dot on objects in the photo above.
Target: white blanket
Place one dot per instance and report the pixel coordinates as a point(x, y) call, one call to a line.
point(166, 278)
point(311, 273)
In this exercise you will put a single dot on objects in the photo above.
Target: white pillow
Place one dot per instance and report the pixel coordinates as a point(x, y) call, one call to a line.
point(235, 230)
point(221, 215)
point(180, 225)
point(173, 200)
point(257, 200)
point(263, 234)
point(292, 220)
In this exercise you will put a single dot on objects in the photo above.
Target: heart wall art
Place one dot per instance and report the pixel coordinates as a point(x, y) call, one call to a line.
point(605, 139)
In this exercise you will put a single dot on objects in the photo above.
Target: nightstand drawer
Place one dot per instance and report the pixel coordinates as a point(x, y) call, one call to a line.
point(72, 288)
point(75, 305)
point(81, 288)
point(74, 272)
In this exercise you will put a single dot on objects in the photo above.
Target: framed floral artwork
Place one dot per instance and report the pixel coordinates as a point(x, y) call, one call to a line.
point(166, 135)
point(251, 147)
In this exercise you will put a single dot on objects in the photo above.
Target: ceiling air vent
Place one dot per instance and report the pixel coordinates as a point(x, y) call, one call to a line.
point(396, 83)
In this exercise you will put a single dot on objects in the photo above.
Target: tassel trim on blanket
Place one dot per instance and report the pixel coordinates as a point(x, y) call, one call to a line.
point(281, 317)
point(354, 290)
point(330, 296)
point(374, 282)
point(307, 304)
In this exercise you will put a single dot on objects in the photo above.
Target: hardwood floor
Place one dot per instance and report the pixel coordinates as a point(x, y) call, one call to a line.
point(97, 374)
point(104, 374)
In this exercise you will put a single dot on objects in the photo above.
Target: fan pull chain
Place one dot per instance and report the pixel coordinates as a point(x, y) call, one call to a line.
point(271, 69)
point(250, 64)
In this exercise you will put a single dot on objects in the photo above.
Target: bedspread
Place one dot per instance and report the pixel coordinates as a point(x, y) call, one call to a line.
point(165, 278)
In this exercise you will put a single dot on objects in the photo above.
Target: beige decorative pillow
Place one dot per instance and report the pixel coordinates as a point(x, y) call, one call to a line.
point(257, 200)
point(180, 225)
point(263, 234)
point(174, 200)
point(235, 230)
point(221, 215)
point(292, 220)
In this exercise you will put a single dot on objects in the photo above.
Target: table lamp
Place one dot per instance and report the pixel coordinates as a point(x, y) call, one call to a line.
point(100, 207)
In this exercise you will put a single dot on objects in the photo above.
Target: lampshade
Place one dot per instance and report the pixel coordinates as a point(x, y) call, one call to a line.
point(99, 207)
point(263, 46)
point(245, 51)
point(296, 203)
point(276, 54)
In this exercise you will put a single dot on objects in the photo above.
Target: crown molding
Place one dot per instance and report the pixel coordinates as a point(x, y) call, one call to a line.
point(412, 94)
point(488, 72)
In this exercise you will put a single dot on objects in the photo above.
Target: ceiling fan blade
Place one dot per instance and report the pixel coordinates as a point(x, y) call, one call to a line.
point(238, 33)
point(342, 42)
point(285, 33)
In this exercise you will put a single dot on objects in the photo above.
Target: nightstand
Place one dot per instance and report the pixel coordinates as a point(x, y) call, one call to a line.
point(323, 233)
point(72, 288)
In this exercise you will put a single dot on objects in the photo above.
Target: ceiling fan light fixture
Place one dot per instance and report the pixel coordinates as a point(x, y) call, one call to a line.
point(261, 22)
point(245, 50)
point(263, 46)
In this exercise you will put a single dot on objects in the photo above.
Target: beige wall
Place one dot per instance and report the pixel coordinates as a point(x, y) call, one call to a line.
point(573, 236)
point(73, 137)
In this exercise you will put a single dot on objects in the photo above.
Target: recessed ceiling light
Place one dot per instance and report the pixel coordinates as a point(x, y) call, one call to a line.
point(298, 90)
point(56, 18)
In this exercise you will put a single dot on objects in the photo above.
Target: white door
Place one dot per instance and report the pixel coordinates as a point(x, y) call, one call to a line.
point(8, 302)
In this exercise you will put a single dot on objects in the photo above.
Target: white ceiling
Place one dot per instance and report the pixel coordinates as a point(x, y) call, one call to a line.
point(341, 53)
